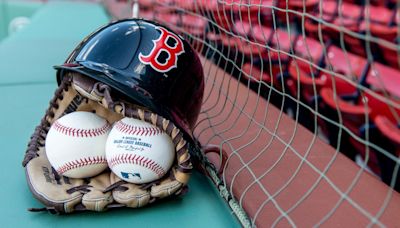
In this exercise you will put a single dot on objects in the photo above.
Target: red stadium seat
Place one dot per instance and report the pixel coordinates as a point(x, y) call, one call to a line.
point(390, 141)
point(389, 33)
point(275, 57)
point(215, 12)
point(310, 50)
point(384, 78)
point(354, 113)
point(243, 29)
point(381, 107)
point(386, 116)
point(320, 80)
point(300, 70)
point(345, 63)
point(299, 5)
point(164, 6)
point(167, 18)
point(390, 55)
point(306, 81)
point(344, 14)
point(183, 23)
point(239, 44)
point(248, 10)
point(237, 48)
point(252, 50)
point(309, 85)
point(349, 19)
point(204, 5)
point(213, 37)
point(267, 11)
point(184, 4)
point(329, 10)
point(262, 37)
point(312, 29)
point(353, 116)
point(294, 5)
point(379, 15)
point(266, 45)
point(390, 130)
point(349, 67)
point(281, 41)
point(353, 18)
point(193, 25)
point(193, 28)
point(146, 3)
point(230, 41)
point(385, 32)
point(372, 2)
point(262, 34)
point(383, 27)
point(146, 14)
point(255, 73)
point(165, 2)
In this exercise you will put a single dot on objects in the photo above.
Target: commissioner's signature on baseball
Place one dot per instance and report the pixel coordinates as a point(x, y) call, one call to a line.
point(130, 147)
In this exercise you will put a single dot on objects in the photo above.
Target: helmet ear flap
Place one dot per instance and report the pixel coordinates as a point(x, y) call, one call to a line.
point(146, 62)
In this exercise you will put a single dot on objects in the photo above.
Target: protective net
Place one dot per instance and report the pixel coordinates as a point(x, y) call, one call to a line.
point(300, 121)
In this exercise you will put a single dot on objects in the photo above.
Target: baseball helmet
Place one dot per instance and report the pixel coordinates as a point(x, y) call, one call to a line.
point(147, 63)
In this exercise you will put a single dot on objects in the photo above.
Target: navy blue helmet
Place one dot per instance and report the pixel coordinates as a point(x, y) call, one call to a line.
point(146, 62)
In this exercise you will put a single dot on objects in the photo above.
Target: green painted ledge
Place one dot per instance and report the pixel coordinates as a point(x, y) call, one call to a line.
point(27, 83)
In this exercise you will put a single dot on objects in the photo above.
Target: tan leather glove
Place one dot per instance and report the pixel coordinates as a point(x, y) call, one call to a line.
point(61, 194)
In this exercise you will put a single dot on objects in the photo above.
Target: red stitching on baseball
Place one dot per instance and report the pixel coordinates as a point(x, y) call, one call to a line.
point(135, 130)
point(81, 162)
point(81, 132)
point(137, 160)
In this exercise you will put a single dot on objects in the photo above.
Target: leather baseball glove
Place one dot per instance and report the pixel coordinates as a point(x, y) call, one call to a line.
point(61, 194)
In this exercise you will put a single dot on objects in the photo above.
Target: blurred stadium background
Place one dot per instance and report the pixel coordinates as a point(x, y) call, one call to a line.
point(301, 118)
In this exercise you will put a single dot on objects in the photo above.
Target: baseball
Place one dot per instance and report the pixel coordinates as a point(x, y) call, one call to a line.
point(139, 152)
point(75, 144)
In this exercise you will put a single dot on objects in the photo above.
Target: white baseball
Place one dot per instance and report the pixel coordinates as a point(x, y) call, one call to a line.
point(75, 144)
point(139, 152)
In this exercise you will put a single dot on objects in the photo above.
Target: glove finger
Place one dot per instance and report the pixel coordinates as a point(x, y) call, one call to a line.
point(96, 199)
point(50, 188)
point(129, 194)
point(166, 188)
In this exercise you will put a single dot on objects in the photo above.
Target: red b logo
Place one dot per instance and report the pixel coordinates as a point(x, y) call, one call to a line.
point(161, 45)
